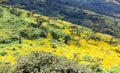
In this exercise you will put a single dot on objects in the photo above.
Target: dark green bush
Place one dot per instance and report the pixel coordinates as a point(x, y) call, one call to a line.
point(41, 62)
point(30, 33)
point(12, 38)
point(15, 37)
point(97, 68)
point(55, 26)
point(15, 12)
point(5, 41)
point(43, 34)
point(67, 39)
point(55, 35)
point(3, 53)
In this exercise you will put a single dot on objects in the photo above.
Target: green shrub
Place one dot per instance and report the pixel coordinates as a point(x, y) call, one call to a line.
point(15, 37)
point(88, 59)
point(3, 53)
point(57, 34)
point(41, 62)
point(59, 43)
point(55, 26)
point(67, 38)
point(97, 68)
point(5, 40)
point(15, 12)
point(5, 68)
point(115, 69)
point(9, 39)
point(30, 33)
point(28, 14)
point(43, 34)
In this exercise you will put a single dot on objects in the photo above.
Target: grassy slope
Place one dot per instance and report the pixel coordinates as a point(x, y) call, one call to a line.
point(68, 11)
point(91, 52)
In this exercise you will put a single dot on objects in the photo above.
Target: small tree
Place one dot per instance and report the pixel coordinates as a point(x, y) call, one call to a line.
point(39, 21)
point(111, 40)
point(28, 14)
point(67, 39)
point(77, 31)
point(55, 35)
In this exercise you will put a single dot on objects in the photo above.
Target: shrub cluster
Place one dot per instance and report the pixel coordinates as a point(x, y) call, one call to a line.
point(41, 62)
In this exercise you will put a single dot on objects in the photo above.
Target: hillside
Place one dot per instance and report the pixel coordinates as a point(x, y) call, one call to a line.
point(22, 32)
point(74, 11)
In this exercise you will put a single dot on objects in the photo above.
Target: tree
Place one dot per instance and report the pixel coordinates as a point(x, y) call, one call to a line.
point(55, 35)
point(111, 40)
point(67, 39)
point(77, 31)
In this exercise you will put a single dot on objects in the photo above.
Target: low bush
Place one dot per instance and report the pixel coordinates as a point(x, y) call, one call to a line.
point(5, 68)
point(15, 12)
point(5, 41)
point(3, 53)
point(115, 69)
point(41, 62)
point(30, 33)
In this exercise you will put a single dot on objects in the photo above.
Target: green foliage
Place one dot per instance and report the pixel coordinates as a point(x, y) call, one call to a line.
point(39, 21)
point(34, 33)
point(88, 59)
point(44, 30)
point(3, 53)
point(5, 68)
point(67, 39)
point(43, 33)
point(41, 62)
point(30, 33)
point(5, 40)
point(28, 14)
point(55, 26)
point(56, 42)
point(57, 34)
point(97, 68)
point(9, 39)
point(115, 69)
point(15, 11)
